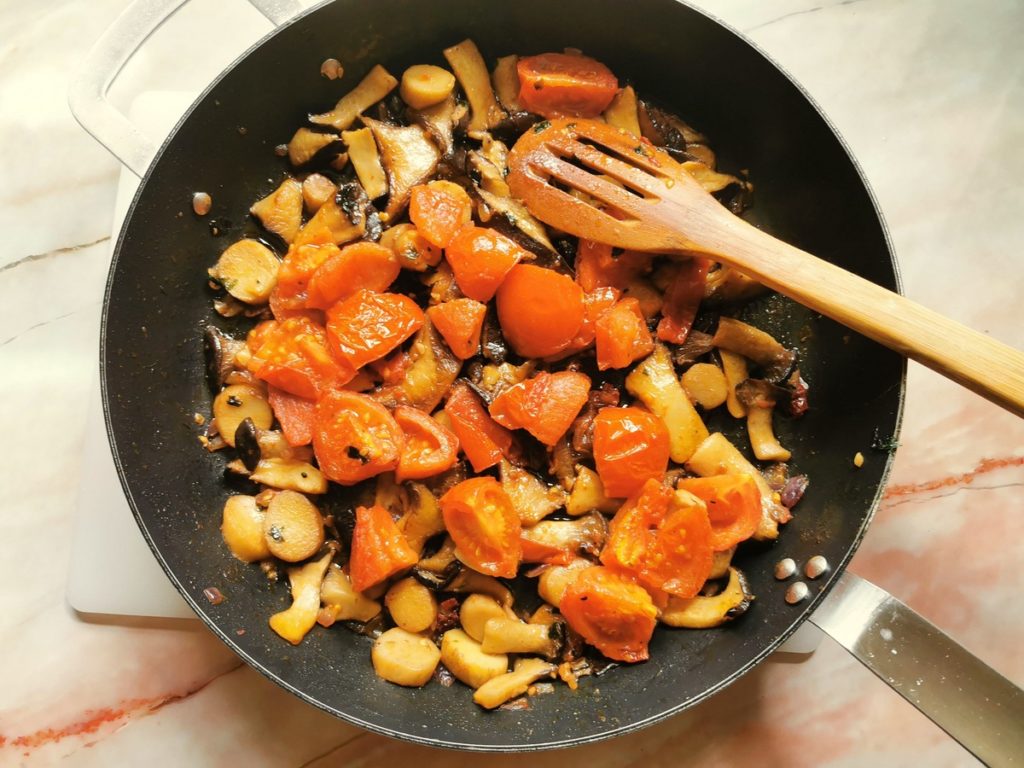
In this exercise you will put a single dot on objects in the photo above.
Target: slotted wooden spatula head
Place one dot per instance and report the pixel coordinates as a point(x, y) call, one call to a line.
point(634, 195)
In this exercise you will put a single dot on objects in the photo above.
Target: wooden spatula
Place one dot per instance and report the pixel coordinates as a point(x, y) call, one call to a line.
point(660, 207)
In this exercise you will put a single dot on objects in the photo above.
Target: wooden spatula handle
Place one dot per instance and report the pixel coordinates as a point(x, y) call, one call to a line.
point(978, 362)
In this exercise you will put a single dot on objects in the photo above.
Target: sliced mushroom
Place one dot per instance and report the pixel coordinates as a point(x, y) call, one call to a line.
point(464, 658)
point(735, 336)
point(531, 497)
point(438, 570)
point(291, 475)
point(235, 404)
point(293, 527)
point(422, 518)
point(697, 345)
point(555, 579)
point(720, 563)
point(469, 580)
point(365, 158)
point(622, 113)
point(409, 156)
point(469, 68)
point(588, 494)
point(404, 658)
point(306, 144)
point(505, 79)
point(377, 84)
point(254, 444)
point(424, 85)
point(431, 373)
point(504, 635)
point(247, 270)
point(280, 212)
point(346, 604)
point(293, 623)
point(726, 285)
point(518, 216)
point(759, 397)
point(500, 689)
point(705, 612)
point(477, 610)
point(439, 121)
point(584, 535)
point(219, 351)
point(242, 529)
point(317, 189)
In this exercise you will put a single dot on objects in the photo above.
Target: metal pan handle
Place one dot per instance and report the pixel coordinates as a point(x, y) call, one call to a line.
point(957, 691)
point(87, 95)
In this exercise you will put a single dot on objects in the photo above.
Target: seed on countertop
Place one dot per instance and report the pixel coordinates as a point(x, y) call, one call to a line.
point(858, 460)
point(213, 595)
point(332, 69)
point(797, 593)
point(201, 203)
point(815, 567)
point(785, 568)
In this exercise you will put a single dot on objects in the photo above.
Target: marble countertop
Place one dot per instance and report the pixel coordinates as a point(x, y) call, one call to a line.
point(929, 94)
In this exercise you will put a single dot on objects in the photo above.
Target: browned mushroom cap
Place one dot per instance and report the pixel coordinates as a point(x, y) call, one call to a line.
point(219, 350)
point(410, 157)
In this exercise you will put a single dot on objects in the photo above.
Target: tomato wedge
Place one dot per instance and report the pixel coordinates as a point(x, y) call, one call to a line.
point(294, 414)
point(483, 440)
point(561, 84)
point(545, 406)
point(598, 265)
point(733, 503)
point(484, 526)
point(610, 612)
point(428, 449)
point(379, 550)
point(292, 355)
point(356, 266)
point(682, 299)
point(368, 325)
point(630, 447)
point(621, 335)
point(460, 323)
point(540, 310)
point(480, 258)
point(297, 268)
point(439, 210)
point(662, 541)
point(354, 437)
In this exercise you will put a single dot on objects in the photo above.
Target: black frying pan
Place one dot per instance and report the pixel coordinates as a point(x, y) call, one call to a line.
point(808, 192)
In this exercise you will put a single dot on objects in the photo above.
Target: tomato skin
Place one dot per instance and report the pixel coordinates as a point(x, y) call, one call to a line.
point(484, 526)
point(610, 612)
point(682, 299)
point(545, 406)
point(560, 84)
point(460, 323)
point(662, 541)
point(359, 265)
point(597, 266)
point(483, 440)
point(428, 448)
point(733, 503)
point(354, 437)
point(621, 335)
point(540, 310)
point(368, 325)
point(294, 414)
point(297, 268)
point(379, 550)
point(630, 447)
point(292, 355)
point(480, 259)
point(439, 210)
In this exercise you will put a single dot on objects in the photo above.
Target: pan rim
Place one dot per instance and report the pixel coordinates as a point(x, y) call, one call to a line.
point(798, 618)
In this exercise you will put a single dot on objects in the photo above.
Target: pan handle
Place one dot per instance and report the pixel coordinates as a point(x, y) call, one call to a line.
point(957, 691)
point(87, 94)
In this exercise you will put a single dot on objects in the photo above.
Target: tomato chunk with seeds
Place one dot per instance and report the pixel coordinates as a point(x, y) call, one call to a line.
point(294, 414)
point(733, 503)
point(562, 84)
point(480, 259)
point(460, 323)
point(545, 406)
point(630, 447)
point(368, 325)
point(621, 335)
point(483, 440)
point(359, 265)
point(379, 550)
point(292, 355)
point(297, 268)
point(484, 525)
point(428, 448)
point(439, 210)
point(540, 310)
point(610, 612)
point(354, 437)
point(663, 540)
